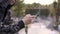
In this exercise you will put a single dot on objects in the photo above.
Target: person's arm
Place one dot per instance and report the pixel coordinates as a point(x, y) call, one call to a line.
point(13, 28)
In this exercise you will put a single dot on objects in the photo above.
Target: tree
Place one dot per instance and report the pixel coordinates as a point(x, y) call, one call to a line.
point(28, 6)
point(18, 8)
point(59, 9)
point(32, 8)
point(35, 5)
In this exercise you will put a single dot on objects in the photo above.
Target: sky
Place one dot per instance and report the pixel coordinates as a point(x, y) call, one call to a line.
point(42, 2)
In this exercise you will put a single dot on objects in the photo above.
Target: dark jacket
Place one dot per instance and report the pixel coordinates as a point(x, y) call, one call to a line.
point(11, 29)
point(6, 26)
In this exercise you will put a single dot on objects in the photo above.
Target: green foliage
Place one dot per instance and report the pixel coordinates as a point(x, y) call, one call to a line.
point(18, 8)
point(44, 12)
point(32, 11)
point(58, 8)
point(35, 5)
point(35, 8)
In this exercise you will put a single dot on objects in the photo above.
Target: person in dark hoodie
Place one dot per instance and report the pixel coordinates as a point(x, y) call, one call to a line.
point(5, 18)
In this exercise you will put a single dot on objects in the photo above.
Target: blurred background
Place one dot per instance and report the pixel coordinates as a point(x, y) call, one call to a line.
point(44, 9)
